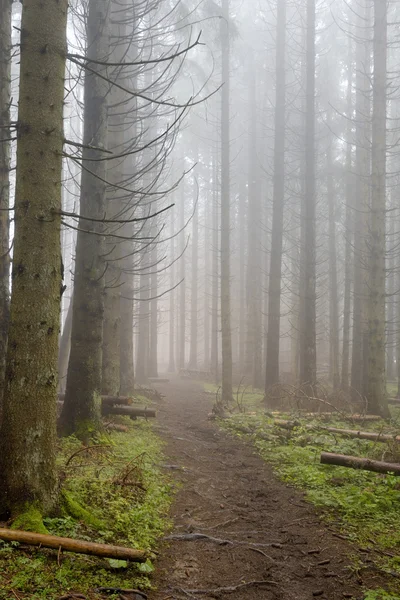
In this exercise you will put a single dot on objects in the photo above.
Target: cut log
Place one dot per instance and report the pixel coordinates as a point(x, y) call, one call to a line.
point(352, 433)
point(118, 400)
point(325, 416)
point(394, 401)
point(70, 545)
point(355, 462)
point(129, 411)
point(158, 380)
point(363, 435)
point(116, 427)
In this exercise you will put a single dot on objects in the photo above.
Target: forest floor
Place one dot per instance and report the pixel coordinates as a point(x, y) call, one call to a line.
point(265, 540)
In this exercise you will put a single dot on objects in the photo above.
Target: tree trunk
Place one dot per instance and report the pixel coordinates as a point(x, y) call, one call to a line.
point(194, 292)
point(376, 383)
point(81, 411)
point(153, 339)
point(171, 364)
point(275, 273)
point(28, 435)
point(5, 144)
point(182, 291)
point(64, 350)
point(225, 211)
point(308, 366)
point(207, 230)
point(253, 284)
point(354, 462)
point(333, 286)
point(362, 168)
point(349, 228)
point(214, 358)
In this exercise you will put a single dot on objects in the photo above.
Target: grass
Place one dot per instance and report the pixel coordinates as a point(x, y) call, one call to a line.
point(363, 506)
point(112, 493)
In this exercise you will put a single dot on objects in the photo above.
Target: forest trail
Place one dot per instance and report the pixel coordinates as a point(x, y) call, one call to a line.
point(228, 492)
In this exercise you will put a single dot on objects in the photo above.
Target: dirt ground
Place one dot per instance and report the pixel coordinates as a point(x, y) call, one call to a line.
point(275, 546)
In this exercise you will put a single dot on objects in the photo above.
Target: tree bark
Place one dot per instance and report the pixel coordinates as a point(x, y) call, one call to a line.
point(275, 273)
point(81, 411)
point(376, 383)
point(28, 435)
point(362, 168)
point(354, 462)
point(333, 285)
point(225, 210)
point(308, 367)
point(70, 545)
point(64, 350)
point(194, 291)
point(253, 356)
point(5, 146)
point(349, 228)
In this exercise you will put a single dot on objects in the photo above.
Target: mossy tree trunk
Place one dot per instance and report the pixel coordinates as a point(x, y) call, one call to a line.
point(81, 410)
point(5, 134)
point(28, 434)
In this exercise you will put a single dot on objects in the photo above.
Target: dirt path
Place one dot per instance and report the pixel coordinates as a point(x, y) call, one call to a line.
point(229, 493)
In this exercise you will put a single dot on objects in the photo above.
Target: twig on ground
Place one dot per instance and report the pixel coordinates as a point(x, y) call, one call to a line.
point(228, 589)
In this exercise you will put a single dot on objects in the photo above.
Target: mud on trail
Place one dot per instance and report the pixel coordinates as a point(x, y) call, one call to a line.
point(263, 539)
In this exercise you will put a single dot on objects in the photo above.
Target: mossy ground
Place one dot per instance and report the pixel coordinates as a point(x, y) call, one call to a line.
point(112, 493)
point(363, 506)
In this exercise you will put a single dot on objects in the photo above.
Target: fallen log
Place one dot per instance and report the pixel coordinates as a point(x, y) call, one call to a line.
point(116, 427)
point(119, 400)
point(355, 462)
point(158, 379)
point(352, 433)
point(363, 435)
point(394, 401)
point(129, 411)
point(325, 416)
point(70, 545)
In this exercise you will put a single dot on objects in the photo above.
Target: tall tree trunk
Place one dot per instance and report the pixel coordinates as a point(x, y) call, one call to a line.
point(253, 283)
point(81, 410)
point(242, 286)
point(64, 350)
point(5, 134)
point(333, 286)
point(308, 365)
point(182, 290)
point(349, 228)
point(171, 363)
point(28, 435)
point(376, 390)
point(207, 230)
point(153, 339)
point(142, 354)
point(194, 291)
point(215, 277)
point(275, 273)
point(362, 168)
point(225, 211)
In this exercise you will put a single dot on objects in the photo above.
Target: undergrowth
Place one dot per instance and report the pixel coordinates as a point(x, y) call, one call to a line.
point(112, 493)
point(362, 506)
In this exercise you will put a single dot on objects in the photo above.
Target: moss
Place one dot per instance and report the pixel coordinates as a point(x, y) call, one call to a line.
point(72, 508)
point(30, 519)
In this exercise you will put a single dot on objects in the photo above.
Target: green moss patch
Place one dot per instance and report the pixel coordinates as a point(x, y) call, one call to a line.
point(112, 492)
